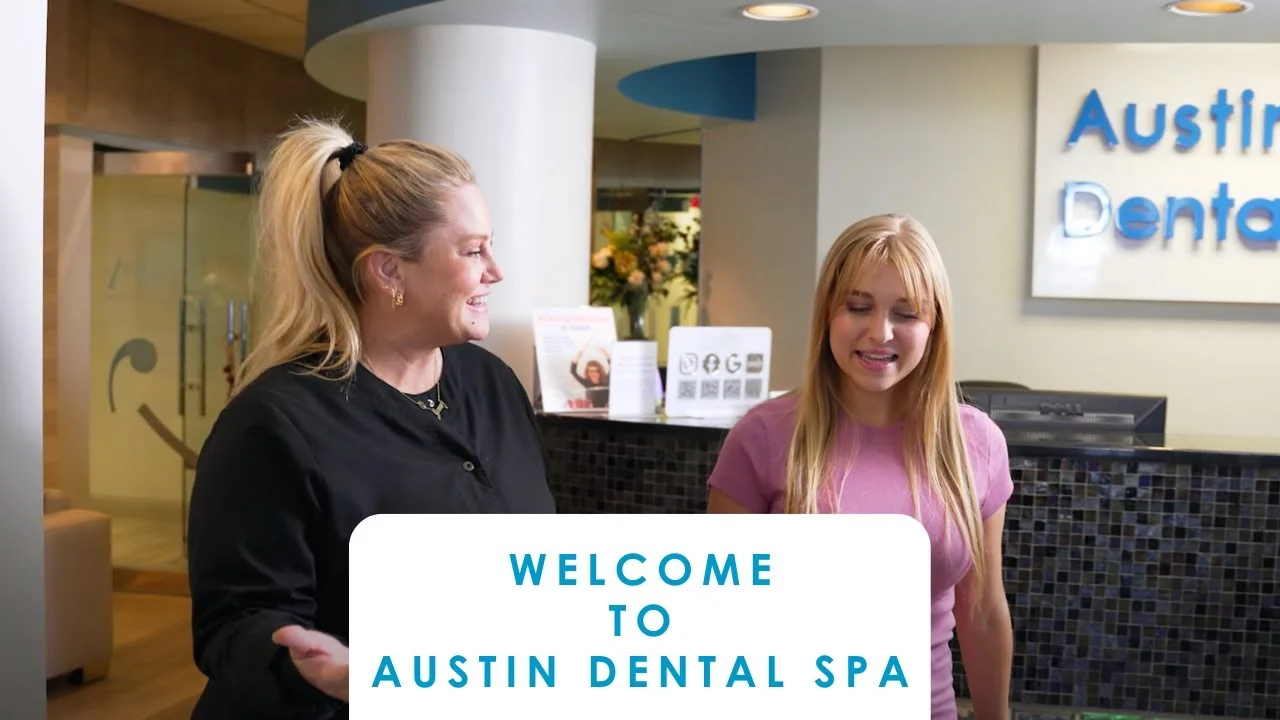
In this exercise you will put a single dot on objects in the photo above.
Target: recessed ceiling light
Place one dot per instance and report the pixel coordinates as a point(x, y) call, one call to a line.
point(779, 12)
point(1208, 8)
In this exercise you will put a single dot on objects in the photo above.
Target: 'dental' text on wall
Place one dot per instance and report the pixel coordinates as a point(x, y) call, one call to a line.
point(1234, 122)
point(639, 616)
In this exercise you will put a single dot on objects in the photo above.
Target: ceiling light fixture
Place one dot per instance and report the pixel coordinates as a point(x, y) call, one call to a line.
point(779, 12)
point(1208, 8)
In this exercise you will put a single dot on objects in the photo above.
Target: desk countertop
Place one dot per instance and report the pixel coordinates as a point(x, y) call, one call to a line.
point(1192, 449)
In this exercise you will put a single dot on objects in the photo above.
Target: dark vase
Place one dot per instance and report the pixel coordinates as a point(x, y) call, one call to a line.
point(636, 305)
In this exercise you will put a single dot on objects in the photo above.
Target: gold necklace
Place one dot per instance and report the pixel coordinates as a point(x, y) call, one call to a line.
point(436, 406)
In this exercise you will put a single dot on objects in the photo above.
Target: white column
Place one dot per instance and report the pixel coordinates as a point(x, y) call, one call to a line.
point(22, 75)
point(519, 105)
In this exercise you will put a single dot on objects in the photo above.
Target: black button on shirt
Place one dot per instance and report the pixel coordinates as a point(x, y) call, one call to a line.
point(292, 466)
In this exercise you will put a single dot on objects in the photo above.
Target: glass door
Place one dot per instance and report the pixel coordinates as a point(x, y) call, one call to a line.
point(214, 307)
point(171, 255)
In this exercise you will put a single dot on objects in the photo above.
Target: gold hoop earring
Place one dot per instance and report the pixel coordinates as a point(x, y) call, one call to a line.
point(397, 299)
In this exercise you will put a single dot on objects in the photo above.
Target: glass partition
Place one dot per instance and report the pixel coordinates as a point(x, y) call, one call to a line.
point(171, 261)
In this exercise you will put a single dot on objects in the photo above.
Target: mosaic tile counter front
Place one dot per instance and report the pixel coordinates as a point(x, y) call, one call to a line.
point(1139, 588)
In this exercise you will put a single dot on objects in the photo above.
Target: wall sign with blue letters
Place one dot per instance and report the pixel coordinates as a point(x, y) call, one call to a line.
point(1139, 217)
point(1152, 185)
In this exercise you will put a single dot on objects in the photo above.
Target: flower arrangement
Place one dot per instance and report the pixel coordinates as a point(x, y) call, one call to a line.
point(635, 265)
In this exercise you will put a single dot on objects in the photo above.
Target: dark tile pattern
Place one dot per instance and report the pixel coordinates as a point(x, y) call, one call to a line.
point(1134, 587)
point(1144, 586)
point(615, 468)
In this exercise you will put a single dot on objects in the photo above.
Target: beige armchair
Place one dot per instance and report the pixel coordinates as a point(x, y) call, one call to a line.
point(78, 587)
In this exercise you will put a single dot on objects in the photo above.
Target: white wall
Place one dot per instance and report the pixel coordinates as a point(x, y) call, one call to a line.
point(1116, 262)
point(759, 211)
point(22, 70)
point(947, 134)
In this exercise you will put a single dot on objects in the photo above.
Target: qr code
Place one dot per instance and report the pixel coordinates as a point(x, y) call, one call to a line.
point(710, 389)
point(755, 388)
point(688, 389)
point(732, 389)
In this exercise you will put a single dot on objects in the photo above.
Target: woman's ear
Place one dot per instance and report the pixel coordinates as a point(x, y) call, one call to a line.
point(384, 271)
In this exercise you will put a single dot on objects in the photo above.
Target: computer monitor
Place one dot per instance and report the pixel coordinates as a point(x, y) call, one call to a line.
point(1071, 412)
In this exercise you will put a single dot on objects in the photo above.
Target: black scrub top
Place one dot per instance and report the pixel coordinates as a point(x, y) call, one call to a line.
point(291, 467)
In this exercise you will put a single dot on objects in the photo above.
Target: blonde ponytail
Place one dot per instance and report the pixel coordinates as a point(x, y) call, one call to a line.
point(314, 226)
point(297, 296)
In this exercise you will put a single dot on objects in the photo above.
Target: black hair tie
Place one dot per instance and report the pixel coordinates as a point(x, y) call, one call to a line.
point(347, 155)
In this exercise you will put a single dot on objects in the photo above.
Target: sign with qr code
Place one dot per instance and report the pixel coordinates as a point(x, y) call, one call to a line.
point(717, 371)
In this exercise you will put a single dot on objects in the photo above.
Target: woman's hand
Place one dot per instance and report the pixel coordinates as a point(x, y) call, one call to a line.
point(320, 658)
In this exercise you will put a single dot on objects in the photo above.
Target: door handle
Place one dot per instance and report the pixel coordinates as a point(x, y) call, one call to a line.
point(244, 331)
point(182, 356)
point(231, 362)
point(204, 357)
point(231, 322)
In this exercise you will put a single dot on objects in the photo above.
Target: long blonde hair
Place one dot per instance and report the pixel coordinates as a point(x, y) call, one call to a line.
point(933, 438)
point(316, 222)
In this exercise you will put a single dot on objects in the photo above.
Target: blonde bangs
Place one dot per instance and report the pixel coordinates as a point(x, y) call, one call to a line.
point(867, 259)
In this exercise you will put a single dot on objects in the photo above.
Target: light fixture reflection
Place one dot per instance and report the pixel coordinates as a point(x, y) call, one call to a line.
point(1208, 8)
point(779, 12)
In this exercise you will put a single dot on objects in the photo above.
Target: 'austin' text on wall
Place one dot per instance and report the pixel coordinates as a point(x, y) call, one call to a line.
point(1233, 122)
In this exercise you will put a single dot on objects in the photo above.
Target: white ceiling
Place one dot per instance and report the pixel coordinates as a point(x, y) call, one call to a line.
point(635, 34)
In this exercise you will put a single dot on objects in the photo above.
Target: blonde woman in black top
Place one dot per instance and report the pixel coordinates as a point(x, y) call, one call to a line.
point(363, 395)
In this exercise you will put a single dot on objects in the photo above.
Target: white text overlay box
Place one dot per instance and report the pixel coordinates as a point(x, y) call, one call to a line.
point(640, 616)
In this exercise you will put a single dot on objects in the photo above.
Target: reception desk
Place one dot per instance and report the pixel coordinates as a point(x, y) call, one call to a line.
point(1141, 578)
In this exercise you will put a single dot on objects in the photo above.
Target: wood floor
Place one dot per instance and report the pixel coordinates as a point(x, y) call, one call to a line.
point(152, 674)
point(145, 538)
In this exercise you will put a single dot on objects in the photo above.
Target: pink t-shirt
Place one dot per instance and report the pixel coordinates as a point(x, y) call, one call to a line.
point(751, 469)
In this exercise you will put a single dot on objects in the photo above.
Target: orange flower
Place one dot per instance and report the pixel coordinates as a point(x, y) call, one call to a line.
point(625, 263)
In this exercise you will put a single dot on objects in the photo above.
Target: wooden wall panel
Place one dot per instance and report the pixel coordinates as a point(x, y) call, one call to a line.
point(117, 71)
point(632, 164)
point(50, 337)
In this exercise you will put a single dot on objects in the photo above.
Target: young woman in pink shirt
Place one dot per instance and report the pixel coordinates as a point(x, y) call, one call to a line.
point(877, 427)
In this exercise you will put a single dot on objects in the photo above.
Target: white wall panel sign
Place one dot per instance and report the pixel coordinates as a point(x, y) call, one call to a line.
point(1156, 173)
